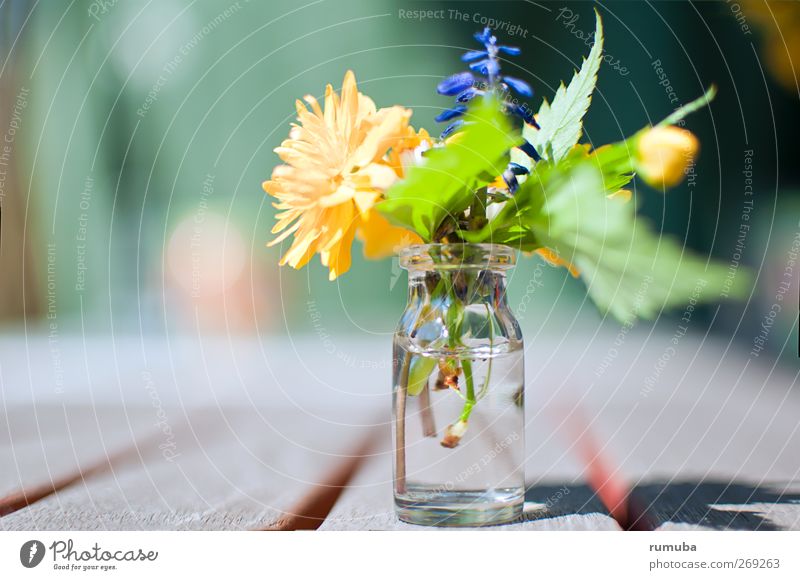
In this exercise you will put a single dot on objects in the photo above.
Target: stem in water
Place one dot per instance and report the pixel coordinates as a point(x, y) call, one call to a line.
point(401, 396)
point(426, 413)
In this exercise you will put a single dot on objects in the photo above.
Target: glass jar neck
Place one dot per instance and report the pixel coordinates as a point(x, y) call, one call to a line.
point(442, 274)
point(442, 288)
point(457, 301)
point(446, 257)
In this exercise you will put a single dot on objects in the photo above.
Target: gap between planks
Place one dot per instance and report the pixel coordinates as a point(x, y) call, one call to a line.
point(25, 497)
point(314, 507)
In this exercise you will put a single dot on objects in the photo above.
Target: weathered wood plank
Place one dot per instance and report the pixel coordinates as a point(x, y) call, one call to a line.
point(556, 499)
point(708, 441)
point(43, 446)
point(230, 469)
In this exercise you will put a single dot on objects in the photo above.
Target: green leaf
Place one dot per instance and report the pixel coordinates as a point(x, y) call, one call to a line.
point(513, 225)
point(630, 269)
point(421, 369)
point(442, 186)
point(689, 108)
point(562, 122)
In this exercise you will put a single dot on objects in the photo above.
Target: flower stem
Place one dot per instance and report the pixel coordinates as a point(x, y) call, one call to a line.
point(454, 320)
point(426, 412)
point(400, 433)
point(488, 378)
point(469, 401)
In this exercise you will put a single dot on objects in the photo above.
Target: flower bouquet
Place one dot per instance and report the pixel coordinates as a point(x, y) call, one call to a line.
point(457, 209)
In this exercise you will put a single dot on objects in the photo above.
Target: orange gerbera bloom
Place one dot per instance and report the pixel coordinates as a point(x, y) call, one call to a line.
point(335, 171)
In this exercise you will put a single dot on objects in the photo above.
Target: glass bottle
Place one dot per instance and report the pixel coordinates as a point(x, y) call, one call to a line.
point(458, 389)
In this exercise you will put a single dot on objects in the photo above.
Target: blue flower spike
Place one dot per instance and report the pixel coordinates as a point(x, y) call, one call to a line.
point(467, 95)
point(530, 151)
point(455, 84)
point(510, 175)
point(449, 114)
point(471, 55)
point(486, 77)
point(524, 113)
point(451, 128)
point(510, 50)
point(518, 169)
point(518, 86)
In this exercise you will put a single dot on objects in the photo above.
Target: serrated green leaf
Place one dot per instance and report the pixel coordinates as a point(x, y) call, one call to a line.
point(562, 121)
point(443, 185)
point(630, 269)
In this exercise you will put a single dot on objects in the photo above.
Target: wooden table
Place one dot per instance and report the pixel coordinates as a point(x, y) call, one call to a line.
point(154, 437)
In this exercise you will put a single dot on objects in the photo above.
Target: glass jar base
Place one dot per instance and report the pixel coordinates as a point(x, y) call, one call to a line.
point(460, 508)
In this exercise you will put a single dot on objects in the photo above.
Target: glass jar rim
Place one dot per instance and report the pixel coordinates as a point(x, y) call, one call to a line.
point(426, 257)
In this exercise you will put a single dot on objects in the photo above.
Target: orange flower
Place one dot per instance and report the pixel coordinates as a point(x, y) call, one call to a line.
point(554, 259)
point(381, 238)
point(334, 172)
point(408, 149)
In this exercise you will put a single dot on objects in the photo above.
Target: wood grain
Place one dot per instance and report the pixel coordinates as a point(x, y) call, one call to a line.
point(556, 499)
point(235, 468)
point(713, 443)
point(44, 448)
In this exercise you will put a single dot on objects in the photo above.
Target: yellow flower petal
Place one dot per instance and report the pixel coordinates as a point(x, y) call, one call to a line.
point(663, 155)
point(623, 194)
point(365, 200)
point(383, 135)
point(381, 238)
point(402, 152)
point(285, 234)
point(349, 104)
point(340, 258)
point(342, 194)
point(498, 183)
point(554, 259)
point(379, 176)
point(314, 105)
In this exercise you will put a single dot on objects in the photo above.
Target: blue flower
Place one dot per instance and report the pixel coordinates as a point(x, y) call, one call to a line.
point(524, 113)
point(487, 66)
point(468, 94)
point(471, 55)
point(510, 175)
point(518, 86)
point(451, 128)
point(485, 37)
point(456, 111)
point(530, 151)
point(510, 50)
point(466, 86)
point(455, 84)
point(518, 169)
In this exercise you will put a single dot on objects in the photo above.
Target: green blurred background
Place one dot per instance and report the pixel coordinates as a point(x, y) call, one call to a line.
point(140, 132)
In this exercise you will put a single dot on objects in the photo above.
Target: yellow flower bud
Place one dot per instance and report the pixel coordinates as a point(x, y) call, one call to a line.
point(664, 153)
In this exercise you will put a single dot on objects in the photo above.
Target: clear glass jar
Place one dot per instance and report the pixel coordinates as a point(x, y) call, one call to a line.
point(458, 389)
